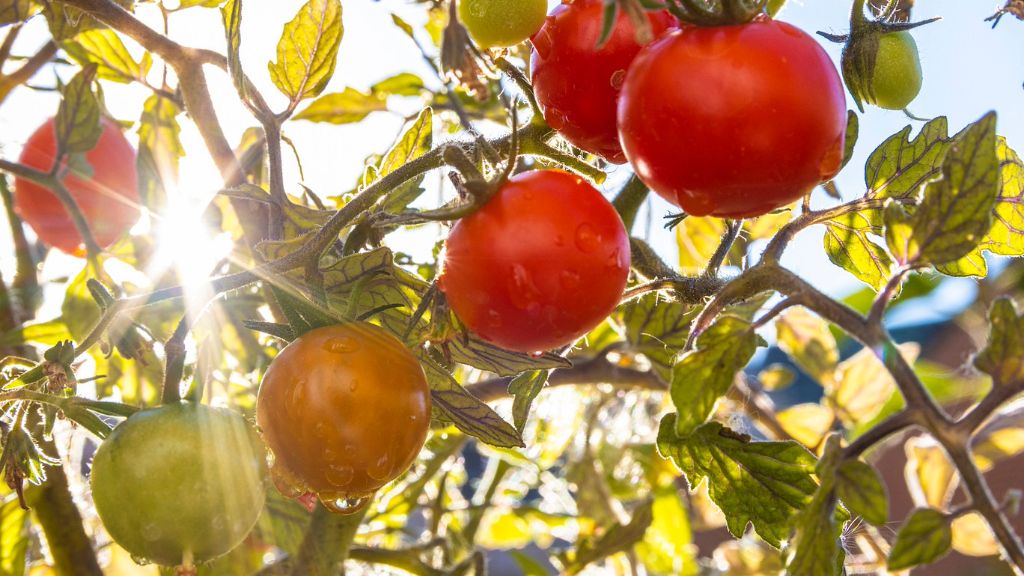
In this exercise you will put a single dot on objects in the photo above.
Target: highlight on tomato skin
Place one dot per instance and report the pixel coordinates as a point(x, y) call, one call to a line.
point(344, 409)
point(733, 121)
point(180, 484)
point(541, 264)
point(576, 82)
point(108, 197)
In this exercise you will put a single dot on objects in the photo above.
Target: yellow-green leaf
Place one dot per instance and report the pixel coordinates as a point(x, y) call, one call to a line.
point(861, 489)
point(308, 50)
point(925, 537)
point(807, 339)
point(78, 118)
point(1003, 357)
point(345, 107)
point(105, 48)
point(850, 245)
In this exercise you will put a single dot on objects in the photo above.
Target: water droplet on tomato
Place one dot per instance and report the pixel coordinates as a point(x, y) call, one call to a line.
point(559, 240)
point(618, 77)
point(615, 259)
point(522, 291)
point(341, 345)
point(543, 43)
point(353, 385)
point(141, 560)
point(293, 402)
point(494, 319)
point(286, 483)
point(381, 469)
point(345, 504)
point(340, 476)
point(320, 429)
point(587, 239)
point(569, 280)
point(151, 532)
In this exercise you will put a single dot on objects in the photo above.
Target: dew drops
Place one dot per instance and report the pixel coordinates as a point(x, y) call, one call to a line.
point(140, 560)
point(615, 259)
point(381, 469)
point(320, 430)
point(151, 532)
point(344, 504)
point(353, 385)
point(494, 319)
point(522, 291)
point(587, 239)
point(618, 77)
point(294, 401)
point(341, 345)
point(340, 476)
point(569, 280)
point(286, 483)
point(559, 240)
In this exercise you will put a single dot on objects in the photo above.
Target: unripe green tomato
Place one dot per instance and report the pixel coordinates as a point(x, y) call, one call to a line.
point(179, 484)
point(500, 23)
point(897, 76)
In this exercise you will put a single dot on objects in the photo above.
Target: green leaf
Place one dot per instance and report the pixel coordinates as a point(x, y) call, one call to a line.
point(525, 388)
point(231, 17)
point(1003, 356)
point(900, 166)
point(809, 342)
point(12, 11)
point(308, 50)
point(47, 333)
point(105, 48)
point(814, 547)
point(486, 356)
point(849, 245)
point(861, 489)
point(454, 403)
point(160, 150)
point(925, 537)
point(14, 528)
point(416, 141)
point(956, 212)
point(667, 547)
point(703, 375)
point(852, 133)
point(527, 565)
point(346, 107)
point(403, 25)
point(658, 329)
point(78, 118)
point(617, 538)
point(1006, 237)
point(863, 386)
point(403, 84)
point(761, 483)
point(698, 238)
point(971, 265)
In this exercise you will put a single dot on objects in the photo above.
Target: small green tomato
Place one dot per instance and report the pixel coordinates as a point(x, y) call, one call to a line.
point(179, 484)
point(502, 23)
point(883, 69)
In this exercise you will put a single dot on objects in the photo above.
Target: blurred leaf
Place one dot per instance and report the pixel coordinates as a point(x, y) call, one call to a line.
point(78, 118)
point(702, 376)
point(931, 477)
point(956, 211)
point(79, 311)
point(525, 388)
point(807, 423)
point(160, 150)
point(861, 489)
point(346, 107)
point(667, 547)
point(402, 84)
point(924, 537)
point(283, 522)
point(973, 537)
point(46, 333)
point(850, 245)
point(900, 166)
point(467, 412)
point(1003, 356)
point(14, 529)
point(308, 50)
point(808, 341)
point(762, 483)
point(528, 565)
point(105, 48)
point(12, 11)
point(864, 385)
point(617, 538)
point(658, 329)
point(698, 238)
point(776, 377)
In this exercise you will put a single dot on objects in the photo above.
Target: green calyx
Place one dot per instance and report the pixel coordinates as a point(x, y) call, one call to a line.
point(718, 12)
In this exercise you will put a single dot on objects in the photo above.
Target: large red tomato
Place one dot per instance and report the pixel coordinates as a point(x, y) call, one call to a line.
point(577, 83)
point(541, 264)
point(108, 197)
point(733, 121)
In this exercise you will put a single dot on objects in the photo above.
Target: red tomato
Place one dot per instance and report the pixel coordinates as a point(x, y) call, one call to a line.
point(733, 121)
point(577, 83)
point(544, 262)
point(108, 198)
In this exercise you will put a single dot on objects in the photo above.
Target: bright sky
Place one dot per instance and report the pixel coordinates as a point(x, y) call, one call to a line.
point(968, 69)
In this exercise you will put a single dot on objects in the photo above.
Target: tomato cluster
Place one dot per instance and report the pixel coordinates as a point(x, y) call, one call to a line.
point(344, 409)
point(106, 191)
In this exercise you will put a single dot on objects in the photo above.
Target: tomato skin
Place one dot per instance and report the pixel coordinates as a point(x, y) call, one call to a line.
point(345, 409)
point(576, 83)
point(733, 121)
point(501, 23)
point(541, 264)
point(109, 198)
point(182, 476)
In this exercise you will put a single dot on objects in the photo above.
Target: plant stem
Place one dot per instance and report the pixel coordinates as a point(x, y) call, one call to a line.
point(326, 543)
point(629, 200)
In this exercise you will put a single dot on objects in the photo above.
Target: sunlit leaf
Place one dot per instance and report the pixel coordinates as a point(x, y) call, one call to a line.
point(861, 489)
point(1006, 237)
point(14, 527)
point(525, 388)
point(973, 537)
point(863, 385)
point(901, 165)
point(160, 150)
point(703, 375)
point(1003, 356)
point(667, 546)
point(469, 414)
point(105, 48)
point(616, 538)
point(762, 483)
point(698, 238)
point(808, 423)
point(850, 244)
point(78, 118)
point(924, 537)
point(776, 377)
point(931, 477)
point(807, 339)
point(814, 547)
point(308, 50)
point(345, 107)
point(416, 141)
point(658, 329)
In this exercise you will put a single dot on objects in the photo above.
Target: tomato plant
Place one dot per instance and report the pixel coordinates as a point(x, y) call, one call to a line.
point(733, 121)
point(577, 81)
point(893, 78)
point(106, 191)
point(541, 264)
point(497, 23)
point(345, 410)
point(179, 484)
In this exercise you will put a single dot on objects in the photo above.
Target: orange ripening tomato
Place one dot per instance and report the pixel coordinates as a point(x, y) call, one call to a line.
point(542, 263)
point(344, 409)
point(108, 198)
